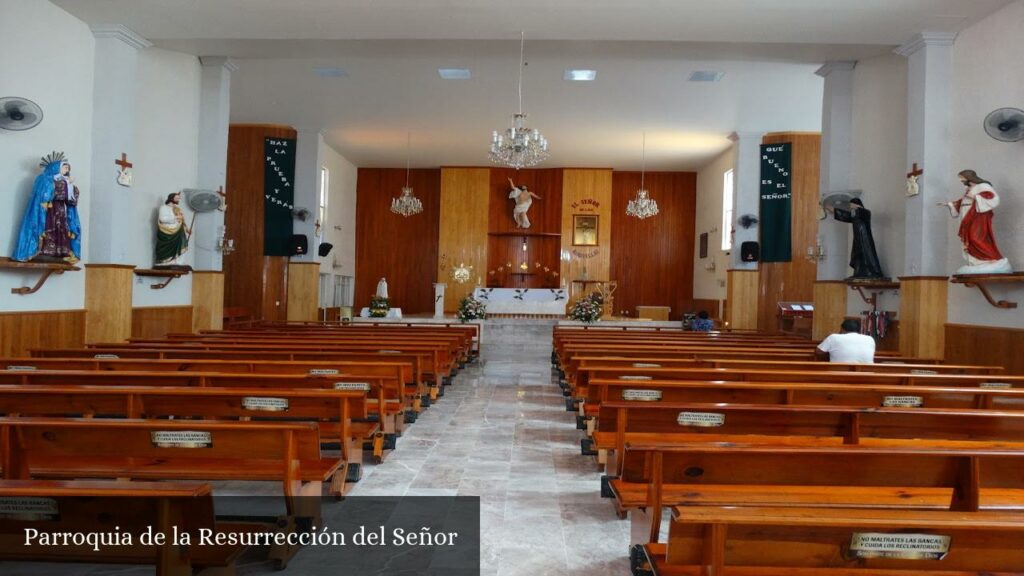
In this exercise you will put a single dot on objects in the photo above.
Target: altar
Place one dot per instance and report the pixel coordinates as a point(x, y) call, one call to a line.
point(523, 301)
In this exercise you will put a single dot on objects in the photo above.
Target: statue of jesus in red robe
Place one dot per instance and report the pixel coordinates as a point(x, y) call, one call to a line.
point(975, 208)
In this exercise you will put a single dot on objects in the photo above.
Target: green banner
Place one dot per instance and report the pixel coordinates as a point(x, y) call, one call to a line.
point(776, 203)
point(278, 195)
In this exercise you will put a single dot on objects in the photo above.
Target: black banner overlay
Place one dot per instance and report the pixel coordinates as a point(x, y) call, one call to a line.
point(776, 203)
point(278, 195)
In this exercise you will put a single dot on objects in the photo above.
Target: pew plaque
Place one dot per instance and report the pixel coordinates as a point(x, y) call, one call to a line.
point(901, 546)
point(357, 386)
point(28, 509)
point(701, 419)
point(20, 368)
point(645, 365)
point(642, 395)
point(636, 377)
point(182, 439)
point(323, 372)
point(260, 404)
point(923, 372)
point(389, 352)
point(106, 357)
point(903, 402)
point(996, 385)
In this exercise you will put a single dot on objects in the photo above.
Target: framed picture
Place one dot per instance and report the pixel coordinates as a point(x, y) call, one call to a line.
point(584, 230)
point(704, 245)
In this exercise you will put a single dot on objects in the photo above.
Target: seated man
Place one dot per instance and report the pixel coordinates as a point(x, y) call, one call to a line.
point(847, 346)
point(702, 323)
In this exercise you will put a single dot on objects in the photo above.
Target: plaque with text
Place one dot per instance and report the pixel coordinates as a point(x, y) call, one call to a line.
point(107, 357)
point(997, 385)
point(28, 509)
point(642, 395)
point(634, 377)
point(182, 439)
point(259, 404)
point(389, 351)
point(20, 368)
point(645, 365)
point(903, 401)
point(323, 372)
point(701, 419)
point(354, 386)
point(918, 372)
point(901, 546)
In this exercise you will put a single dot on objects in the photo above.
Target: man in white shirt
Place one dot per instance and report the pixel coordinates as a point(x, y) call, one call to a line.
point(848, 346)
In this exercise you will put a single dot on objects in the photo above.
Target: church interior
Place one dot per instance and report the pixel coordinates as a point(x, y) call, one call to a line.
point(473, 288)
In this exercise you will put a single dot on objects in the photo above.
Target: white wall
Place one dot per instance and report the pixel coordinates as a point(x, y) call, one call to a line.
point(987, 72)
point(710, 284)
point(166, 133)
point(49, 60)
point(879, 152)
point(341, 210)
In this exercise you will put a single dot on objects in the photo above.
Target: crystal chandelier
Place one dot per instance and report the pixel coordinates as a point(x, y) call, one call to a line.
point(407, 204)
point(643, 206)
point(519, 146)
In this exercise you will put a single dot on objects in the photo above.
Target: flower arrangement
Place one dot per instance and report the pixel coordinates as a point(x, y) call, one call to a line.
point(471, 309)
point(379, 307)
point(587, 309)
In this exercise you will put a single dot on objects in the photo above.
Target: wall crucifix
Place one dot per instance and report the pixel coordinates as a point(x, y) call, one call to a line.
point(913, 188)
point(124, 174)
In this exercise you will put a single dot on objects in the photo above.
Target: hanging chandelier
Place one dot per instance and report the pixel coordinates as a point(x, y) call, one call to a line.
point(407, 204)
point(643, 206)
point(519, 146)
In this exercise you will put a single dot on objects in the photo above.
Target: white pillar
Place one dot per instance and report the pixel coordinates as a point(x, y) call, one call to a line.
point(308, 162)
point(747, 195)
point(836, 157)
point(113, 129)
point(439, 300)
point(929, 118)
point(214, 118)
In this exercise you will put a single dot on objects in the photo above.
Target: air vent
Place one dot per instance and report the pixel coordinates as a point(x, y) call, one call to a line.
point(455, 73)
point(578, 75)
point(330, 72)
point(706, 76)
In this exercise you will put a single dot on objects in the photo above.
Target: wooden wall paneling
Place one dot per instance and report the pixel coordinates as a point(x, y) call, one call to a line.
point(587, 191)
point(207, 300)
point(159, 321)
point(244, 269)
point(403, 250)
point(545, 214)
point(652, 259)
point(108, 302)
point(923, 301)
point(794, 281)
point(303, 291)
point(742, 297)
point(274, 286)
point(21, 331)
point(985, 345)
point(462, 233)
point(829, 307)
point(711, 306)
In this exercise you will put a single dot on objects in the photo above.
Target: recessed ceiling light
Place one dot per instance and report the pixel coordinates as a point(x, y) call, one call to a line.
point(455, 73)
point(706, 76)
point(580, 75)
point(330, 72)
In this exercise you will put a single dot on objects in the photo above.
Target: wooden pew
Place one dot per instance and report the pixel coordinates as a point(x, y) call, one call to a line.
point(89, 506)
point(333, 410)
point(763, 541)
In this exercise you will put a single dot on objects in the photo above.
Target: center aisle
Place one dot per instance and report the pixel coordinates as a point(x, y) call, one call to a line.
point(501, 432)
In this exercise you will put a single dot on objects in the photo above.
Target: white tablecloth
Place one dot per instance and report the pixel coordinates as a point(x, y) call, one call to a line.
point(392, 313)
point(546, 301)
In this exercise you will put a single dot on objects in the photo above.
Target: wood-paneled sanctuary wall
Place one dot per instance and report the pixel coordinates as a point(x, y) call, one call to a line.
point(793, 281)
point(22, 331)
point(252, 280)
point(652, 259)
point(159, 321)
point(403, 250)
point(985, 345)
point(505, 254)
point(462, 237)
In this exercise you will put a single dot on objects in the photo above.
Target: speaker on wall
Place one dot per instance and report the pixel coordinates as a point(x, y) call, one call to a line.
point(325, 249)
point(299, 244)
point(749, 252)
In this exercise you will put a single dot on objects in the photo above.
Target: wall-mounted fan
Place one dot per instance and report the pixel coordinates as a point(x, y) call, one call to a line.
point(747, 221)
point(202, 200)
point(19, 114)
point(835, 200)
point(301, 214)
point(1006, 124)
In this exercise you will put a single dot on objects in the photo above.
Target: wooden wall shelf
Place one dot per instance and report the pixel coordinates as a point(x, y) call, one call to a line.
point(169, 274)
point(527, 234)
point(981, 282)
point(875, 287)
point(48, 269)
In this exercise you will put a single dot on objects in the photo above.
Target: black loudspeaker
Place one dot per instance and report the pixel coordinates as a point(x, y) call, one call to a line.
point(325, 249)
point(299, 244)
point(750, 251)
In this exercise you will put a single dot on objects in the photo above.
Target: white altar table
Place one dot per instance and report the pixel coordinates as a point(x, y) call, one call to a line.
point(526, 301)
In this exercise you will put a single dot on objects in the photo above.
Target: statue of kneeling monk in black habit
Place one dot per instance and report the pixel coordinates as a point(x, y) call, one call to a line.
point(863, 257)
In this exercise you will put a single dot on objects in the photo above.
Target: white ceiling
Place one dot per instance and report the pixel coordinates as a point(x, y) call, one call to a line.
point(643, 50)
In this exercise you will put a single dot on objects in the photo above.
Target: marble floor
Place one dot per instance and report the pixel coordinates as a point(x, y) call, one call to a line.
point(501, 432)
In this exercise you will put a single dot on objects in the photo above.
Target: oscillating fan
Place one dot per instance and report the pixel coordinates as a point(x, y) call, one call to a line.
point(837, 200)
point(747, 221)
point(301, 214)
point(202, 200)
point(19, 114)
point(1006, 124)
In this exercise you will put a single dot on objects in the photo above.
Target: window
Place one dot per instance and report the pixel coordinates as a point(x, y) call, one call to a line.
point(727, 190)
point(325, 187)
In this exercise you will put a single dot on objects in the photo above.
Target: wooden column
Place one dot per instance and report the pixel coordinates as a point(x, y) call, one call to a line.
point(303, 291)
point(108, 302)
point(829, 307)
point(923, 301)
point(207, 300)
point(462, 237)
point(742, 295)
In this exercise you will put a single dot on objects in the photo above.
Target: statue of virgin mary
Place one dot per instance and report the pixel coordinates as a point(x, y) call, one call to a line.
point(50, 230)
